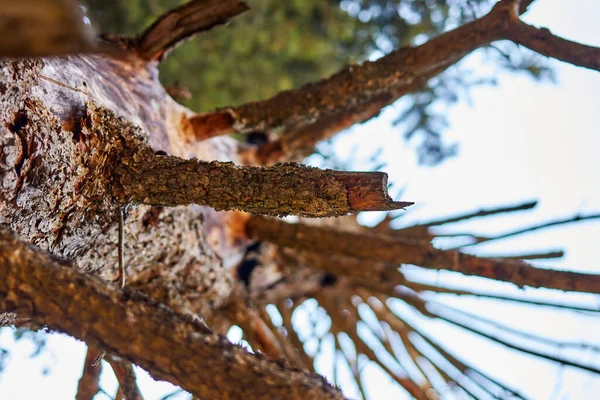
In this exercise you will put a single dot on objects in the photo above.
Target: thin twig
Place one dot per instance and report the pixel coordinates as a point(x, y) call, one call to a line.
point(577, 218)
point(421, 287)
point(121, 247)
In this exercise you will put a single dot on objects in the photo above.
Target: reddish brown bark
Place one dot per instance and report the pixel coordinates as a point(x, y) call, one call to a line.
point(168, 345)
point(401, 250)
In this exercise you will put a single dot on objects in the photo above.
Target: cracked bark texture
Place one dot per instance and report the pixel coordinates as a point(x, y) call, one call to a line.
point(59, 146)
point(83, 135)
point(170, 346)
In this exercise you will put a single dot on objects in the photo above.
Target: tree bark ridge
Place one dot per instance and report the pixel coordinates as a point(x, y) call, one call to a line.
point(168, 345)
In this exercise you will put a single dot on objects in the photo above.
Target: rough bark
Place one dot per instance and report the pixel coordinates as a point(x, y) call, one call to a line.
point(84, 135)
point(170, 346)
point(406, 251)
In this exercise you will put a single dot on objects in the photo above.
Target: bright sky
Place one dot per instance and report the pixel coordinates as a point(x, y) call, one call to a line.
point(518, 141)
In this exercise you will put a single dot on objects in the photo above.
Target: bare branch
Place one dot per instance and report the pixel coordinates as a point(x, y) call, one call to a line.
point(530, 256)
point(347, 324)
point(279, 190)
point(297, 144)
point(306, 361)
point(564, 221)
point(420, 287)
point(360, 271)
point(184, 21)
point(542, 41)
point(400, 250)
point(47, 290)
point(421, 306)
point(360, 85)
point(126, 377)
point(484, 212)
point(505, 328)
point(384, 313)
point(88, 385)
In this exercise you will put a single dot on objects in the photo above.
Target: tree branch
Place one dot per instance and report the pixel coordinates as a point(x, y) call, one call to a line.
point(170, 346)
point(184, 21)
point(360, 84)
point(421, 306)
point(126, 377)
point(279, 190)
point(542, 41)
point(383, 312)
point(400, 250)
point(88, 385)
point(421, 287)
point(564, 221)
point(484, 212)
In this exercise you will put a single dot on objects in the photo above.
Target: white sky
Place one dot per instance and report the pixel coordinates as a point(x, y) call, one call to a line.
point(519, 141)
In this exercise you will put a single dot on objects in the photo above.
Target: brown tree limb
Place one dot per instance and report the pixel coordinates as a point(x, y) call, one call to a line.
point(542, 41)
point(356, 269)
point(184, 21)
point(401, 251)
point(170, 346)
point(125, 374)
point(279, 190)
point(530, 256)
point(88, 385)
point(361, 84)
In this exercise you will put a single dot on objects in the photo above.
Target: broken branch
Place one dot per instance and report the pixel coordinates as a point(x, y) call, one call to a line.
point(279, 190)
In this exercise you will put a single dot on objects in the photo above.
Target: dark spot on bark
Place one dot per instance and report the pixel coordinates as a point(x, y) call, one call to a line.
point(245, 269)
point(257, 138)
point(160, 153)
point(73, 125)
point(19, 121)
point(150, 218)
point(328, 280)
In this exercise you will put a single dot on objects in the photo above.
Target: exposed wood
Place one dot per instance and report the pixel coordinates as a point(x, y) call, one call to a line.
point(168, 345)
point(278, 190)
